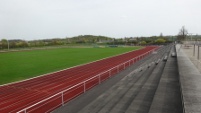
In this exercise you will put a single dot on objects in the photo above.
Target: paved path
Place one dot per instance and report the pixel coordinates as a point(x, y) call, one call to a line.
point(193, 56)
point(190, 80)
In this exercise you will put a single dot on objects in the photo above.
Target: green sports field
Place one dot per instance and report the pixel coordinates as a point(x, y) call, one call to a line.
point(15, 66)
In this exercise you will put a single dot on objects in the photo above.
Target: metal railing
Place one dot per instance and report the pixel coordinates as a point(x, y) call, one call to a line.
point(59, 99)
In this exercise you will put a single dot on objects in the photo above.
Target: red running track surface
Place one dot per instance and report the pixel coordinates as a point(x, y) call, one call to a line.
point(16, 96)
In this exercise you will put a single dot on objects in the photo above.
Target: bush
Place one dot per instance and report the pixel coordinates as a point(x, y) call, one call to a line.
point(143, 43)
point(160, 40)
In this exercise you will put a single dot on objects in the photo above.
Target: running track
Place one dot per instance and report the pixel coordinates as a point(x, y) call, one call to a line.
point(16, 96)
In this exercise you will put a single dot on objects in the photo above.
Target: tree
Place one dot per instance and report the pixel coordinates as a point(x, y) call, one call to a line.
point(4, 43)
point(160, 40)
point(143, 43)
point(12, 44)
point(182, 34)
point(22, 44)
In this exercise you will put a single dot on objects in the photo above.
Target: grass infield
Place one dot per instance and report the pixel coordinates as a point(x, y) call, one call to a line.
point(15, 66)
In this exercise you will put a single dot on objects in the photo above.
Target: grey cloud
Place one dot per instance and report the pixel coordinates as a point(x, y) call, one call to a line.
point(36, 19)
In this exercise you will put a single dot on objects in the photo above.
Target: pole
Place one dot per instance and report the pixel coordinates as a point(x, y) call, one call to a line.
point(99, 79)
point(62, 98)
point(84, 87)
point(194, 50)
point(198, 52)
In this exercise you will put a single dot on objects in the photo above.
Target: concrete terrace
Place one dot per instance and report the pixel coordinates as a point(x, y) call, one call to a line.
point(148, 86)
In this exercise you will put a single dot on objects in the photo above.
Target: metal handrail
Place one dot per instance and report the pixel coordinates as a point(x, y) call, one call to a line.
point(84, 82)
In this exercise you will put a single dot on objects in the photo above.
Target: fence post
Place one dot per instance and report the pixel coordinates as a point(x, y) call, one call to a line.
point(62, 98)
point(198, 52)
point(99, 79)
point(84, 83)
point(194, 50)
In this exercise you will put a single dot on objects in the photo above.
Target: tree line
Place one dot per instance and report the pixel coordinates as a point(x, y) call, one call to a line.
point(91, 39)
point(85, 39)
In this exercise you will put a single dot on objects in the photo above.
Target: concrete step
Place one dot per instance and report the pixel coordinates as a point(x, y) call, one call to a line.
point(121, 95)
point(110, 97)
point(120, 103)
point(167, 98)
point(142, 102)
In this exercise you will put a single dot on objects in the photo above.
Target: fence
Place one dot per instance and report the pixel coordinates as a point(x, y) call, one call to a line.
point(59, 99)
point(196, 51)
point(193, 48)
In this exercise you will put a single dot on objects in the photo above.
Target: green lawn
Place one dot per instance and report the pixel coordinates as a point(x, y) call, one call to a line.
point(15, 66)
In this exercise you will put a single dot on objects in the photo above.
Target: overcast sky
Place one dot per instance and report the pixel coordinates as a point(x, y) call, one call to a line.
point(40, 19)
